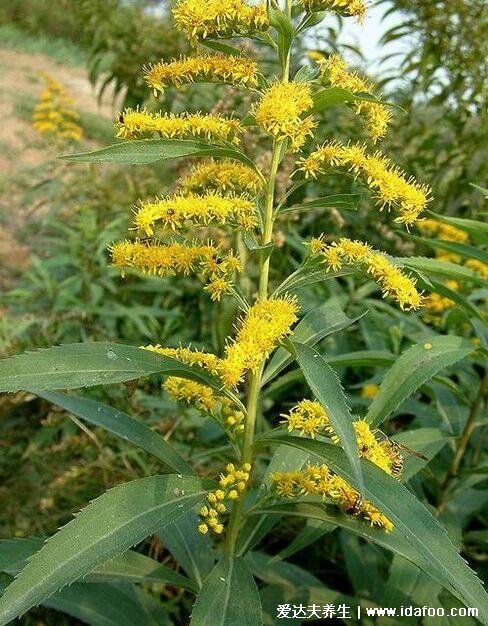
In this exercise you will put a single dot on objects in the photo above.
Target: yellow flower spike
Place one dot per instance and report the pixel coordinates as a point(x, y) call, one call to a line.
point(221, 508)
point(233, 70)
point(392, 281)
point(391, 187)
point(204, 511)
point(478, 267)
point(438, 229)
point(212, 498)
point(233, 495)
point(203, 529)
point(54, 114)
point(266, 323)
point(219, 494)
point(182, 258)
point(376, 116)
point(218, 529)
point(225, 176)
point(173, 212)
point(247, 467)
point(206, 360)
point(212, 522)
point(280, 112)
point(321, 481)
point(134, 124)
point(200, 19)
point(346, 8)
point(202, 396)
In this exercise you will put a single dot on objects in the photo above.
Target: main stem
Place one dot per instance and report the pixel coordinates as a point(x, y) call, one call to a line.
point(256, 377)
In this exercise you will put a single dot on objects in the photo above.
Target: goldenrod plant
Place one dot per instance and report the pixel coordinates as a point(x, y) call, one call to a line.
point(54, 115)
point(317, 461)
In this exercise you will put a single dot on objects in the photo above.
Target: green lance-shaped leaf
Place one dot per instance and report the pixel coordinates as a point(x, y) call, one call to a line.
point(440, 268)
point(346, 201)
point(326, 388)
point(229, 597)
point(415, 366)
point(477, 229)
point(89, 364)
point(99, 604)
point(130, 567)
point(108, 526)
point(315, 326)
point(417, 534)
point(146, 151)
point(192, 550)
point(462, 249)
point(122, 425)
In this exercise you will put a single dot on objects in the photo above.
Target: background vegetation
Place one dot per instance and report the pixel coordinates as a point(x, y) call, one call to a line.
point(57, 286)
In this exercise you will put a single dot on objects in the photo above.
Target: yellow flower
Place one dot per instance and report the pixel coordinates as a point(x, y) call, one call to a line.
point(202, 396)
point(205, 360)
point(446, 232)
point(134, 124)
point(392, 281)
point(173, 212)
point(279, 112)
point(200, 19)
point(369, 391)
point(346, 8)
point(225, 176)
point(54, 114)
point(319, 480)
point(390, 185)
point(435, 303)
point(376, 116)
point(231, 482)
point(309, 418)
point(177, 258)
point(266, 323)
point(478, 266)
point(233, 70)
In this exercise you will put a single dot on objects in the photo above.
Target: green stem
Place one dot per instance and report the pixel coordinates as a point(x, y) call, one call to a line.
point(256, 377)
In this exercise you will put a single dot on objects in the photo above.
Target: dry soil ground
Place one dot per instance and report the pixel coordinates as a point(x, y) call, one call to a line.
point(21, 148)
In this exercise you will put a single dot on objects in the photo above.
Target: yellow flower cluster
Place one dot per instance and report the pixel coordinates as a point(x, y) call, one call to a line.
point(376, 116)
point(267, 322)
point(478, 266)
point(369, 391)
point(446, 232)
point(200, 19)
point(232, 70)
point(198, 394)
point(309, 418)
point(134, 124)
point(54, 114)
point(392, 281)
point(225, 176)
point(389, 183)
point(205, 360)
point(435, 303)
point(207, 401)
point(173, 212)
point(320, 480)
point(231, 484)
point(280, 111)
point(174, 258)
point(346, 8)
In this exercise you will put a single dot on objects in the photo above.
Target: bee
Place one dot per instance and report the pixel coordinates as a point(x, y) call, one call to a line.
point(397, 466)
point(355, 507)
